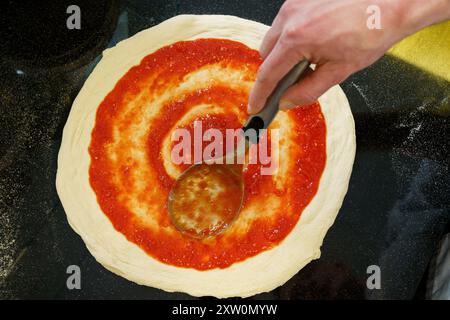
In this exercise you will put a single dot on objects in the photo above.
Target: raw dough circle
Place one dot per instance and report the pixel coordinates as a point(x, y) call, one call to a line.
point(261, 273)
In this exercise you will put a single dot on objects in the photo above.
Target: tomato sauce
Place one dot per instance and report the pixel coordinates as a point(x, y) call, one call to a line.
point(132, 183)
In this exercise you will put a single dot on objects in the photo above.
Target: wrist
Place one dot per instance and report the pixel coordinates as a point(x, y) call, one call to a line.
point(418, 14)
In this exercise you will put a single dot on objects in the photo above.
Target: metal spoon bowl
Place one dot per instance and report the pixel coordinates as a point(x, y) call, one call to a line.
point(206, 199)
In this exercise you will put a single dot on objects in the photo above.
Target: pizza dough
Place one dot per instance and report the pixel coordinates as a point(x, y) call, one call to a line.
point(263, 272)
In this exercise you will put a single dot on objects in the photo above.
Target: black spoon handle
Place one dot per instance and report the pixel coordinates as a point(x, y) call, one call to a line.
point(262, 119)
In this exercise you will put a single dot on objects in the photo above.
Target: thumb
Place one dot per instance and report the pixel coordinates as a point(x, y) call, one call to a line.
point(313, 85)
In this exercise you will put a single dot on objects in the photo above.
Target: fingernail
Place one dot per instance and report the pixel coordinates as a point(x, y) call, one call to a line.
point(286, 104)
point(249, 109)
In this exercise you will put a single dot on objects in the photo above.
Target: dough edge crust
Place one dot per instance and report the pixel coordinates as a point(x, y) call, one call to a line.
point(261, 273)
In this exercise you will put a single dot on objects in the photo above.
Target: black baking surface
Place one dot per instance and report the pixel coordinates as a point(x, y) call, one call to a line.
point(395, 212)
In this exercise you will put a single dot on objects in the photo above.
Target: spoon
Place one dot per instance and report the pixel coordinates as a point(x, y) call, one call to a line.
point(207, 197)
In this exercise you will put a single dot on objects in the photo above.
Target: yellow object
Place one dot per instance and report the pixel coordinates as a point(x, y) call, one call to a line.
point(428, 49)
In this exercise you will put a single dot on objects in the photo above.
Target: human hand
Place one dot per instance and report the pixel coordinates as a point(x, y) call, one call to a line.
point(333, 35)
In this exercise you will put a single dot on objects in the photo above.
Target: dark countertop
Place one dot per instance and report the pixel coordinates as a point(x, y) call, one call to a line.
point(396, 210)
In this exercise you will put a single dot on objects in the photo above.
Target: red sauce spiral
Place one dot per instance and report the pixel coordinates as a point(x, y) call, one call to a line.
point(208, 80)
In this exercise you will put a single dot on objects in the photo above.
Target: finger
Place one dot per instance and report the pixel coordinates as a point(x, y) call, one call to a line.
point(269, 41)
point(313, 85)
point(277, 64)
point(271, 38)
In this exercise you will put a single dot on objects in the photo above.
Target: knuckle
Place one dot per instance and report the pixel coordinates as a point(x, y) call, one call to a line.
point(262, 79)
point(290, 36)
point(263, 75)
